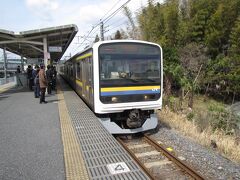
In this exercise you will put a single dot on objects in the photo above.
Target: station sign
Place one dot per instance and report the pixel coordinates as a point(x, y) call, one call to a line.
point(34, 61)
point(55, 49)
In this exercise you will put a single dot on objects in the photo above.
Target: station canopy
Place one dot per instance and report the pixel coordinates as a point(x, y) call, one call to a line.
point(49, 42)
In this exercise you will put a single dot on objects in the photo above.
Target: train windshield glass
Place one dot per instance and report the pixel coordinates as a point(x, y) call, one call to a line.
point(129, 62)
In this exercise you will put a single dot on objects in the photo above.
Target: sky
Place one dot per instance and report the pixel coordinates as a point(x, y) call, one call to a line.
point(22, 15)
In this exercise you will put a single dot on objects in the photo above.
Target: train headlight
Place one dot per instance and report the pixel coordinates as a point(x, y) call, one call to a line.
point(146, 97)
point(114, 99)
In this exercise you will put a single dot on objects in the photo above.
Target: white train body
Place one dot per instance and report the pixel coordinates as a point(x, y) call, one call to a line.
point(117, 78)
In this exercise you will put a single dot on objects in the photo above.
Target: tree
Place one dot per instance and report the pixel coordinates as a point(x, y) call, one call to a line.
point(186, 32)
point(172, 23)
point(118, 35)
point(132, 29)
point(193, 61)
point(96, 39)
point(151, 23)
point(235, 38)
point(172, 69)
point(223, 77)
point(220, 26)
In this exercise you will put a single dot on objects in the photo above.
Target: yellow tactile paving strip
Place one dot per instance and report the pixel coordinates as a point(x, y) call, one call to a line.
point(5, 88)
point(74, 164)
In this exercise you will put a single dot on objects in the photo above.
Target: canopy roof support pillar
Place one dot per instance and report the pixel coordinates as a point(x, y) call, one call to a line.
point(22, 64)
point(5, 63)
point(45, 51)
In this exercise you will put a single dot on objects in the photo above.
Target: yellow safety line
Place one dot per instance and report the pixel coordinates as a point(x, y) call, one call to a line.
point(4, 89)
point(74, 163)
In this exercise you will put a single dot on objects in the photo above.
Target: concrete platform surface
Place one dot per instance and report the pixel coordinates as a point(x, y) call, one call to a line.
point(30, 138)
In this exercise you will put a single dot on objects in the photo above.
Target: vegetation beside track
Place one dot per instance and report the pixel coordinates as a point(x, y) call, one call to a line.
point(209, 123)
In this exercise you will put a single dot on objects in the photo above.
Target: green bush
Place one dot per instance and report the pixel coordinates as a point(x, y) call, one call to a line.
point(217, 118)
point(216, 108)
point(224, 120)
point(190, 116)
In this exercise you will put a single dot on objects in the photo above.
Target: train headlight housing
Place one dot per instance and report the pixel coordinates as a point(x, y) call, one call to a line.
point(146, 97)
point(114, 99)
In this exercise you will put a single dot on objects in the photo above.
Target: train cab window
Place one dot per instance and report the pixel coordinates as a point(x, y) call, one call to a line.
point(129, 63)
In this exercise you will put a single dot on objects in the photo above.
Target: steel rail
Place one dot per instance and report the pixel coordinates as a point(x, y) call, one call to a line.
point(135, 158)
point(173, 158)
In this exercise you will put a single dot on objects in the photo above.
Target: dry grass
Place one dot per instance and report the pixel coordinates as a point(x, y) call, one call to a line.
point(227, 145)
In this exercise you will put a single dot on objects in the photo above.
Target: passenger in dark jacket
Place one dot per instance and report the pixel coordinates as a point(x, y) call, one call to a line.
point(54, 81)
point(49, 74)
point(36, 81)
point(29, 77)
point(18, 70)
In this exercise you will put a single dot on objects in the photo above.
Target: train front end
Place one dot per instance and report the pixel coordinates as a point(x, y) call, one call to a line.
point(128, 85)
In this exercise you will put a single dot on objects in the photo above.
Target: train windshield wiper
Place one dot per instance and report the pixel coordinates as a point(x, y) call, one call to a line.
point(151, 80)
point(133, 80)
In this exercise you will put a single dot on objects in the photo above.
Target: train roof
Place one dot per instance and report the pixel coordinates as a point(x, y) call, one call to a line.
point(97, 44)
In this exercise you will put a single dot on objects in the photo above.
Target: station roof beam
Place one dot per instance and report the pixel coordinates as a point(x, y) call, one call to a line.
point(43, 43)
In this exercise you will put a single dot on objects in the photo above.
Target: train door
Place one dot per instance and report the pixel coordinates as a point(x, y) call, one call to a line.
point(84, 77)
point(90, 80)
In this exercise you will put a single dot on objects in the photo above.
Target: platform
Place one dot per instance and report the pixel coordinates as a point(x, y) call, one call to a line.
point(62, 139)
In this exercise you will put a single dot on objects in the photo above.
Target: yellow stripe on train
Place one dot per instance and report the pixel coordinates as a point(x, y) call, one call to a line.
point(79, 82)
point(84, 56)
point(132, 88)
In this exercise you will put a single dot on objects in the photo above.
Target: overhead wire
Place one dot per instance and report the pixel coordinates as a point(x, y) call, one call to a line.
point(104, 21)
point(117, 26)
point(115, 12)
point(134, 17)
point(111, 8)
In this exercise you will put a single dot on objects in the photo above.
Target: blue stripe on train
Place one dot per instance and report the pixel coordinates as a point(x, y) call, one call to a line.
point(115, 93)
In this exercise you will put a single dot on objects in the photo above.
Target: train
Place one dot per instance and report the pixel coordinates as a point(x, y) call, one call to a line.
point(121, 82)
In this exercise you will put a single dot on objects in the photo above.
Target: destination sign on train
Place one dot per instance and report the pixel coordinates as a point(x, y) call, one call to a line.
point(133, 48)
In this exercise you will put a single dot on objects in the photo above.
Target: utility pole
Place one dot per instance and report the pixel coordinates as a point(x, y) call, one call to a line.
point(5, 64)
point(101, 31)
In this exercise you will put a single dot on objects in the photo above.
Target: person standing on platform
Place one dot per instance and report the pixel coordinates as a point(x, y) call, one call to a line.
point(43, 83)
point(29, 77)
point(49, 74)
point(19, 82)
point(54, 78)
point(18, 70)
point(36, 81)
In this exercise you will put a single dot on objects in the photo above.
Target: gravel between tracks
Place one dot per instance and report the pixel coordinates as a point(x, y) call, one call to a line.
point(206, 161)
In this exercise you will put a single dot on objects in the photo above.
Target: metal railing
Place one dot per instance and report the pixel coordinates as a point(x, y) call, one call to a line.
point(7, 80)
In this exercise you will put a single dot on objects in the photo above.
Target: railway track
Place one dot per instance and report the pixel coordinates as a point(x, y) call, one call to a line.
point(157, 161)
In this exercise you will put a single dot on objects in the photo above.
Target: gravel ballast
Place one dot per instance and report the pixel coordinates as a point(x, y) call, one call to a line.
point(206, 161)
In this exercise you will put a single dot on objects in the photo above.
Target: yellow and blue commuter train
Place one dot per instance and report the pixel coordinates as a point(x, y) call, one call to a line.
point(121, 81)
